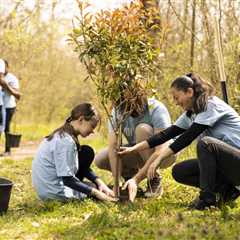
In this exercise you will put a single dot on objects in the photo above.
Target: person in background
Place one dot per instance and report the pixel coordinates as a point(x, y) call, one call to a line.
point(2, 72)
point(217, 126)
point(10, 93)
point(138, 126)
point(61, 163)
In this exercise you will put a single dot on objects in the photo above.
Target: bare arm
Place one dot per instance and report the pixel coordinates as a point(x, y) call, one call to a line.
point(142, 173)
point(163, 161)
point(136, 148)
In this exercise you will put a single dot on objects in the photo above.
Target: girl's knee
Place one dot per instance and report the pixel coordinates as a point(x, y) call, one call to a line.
point(87, 153)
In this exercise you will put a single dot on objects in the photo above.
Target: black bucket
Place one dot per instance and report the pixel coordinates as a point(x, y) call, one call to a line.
point(5, 193)
point(14, 139)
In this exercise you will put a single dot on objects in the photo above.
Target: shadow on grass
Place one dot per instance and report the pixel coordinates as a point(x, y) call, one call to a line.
point(35, 207)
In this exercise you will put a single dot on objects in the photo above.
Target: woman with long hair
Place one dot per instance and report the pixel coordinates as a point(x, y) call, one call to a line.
point(216, 126)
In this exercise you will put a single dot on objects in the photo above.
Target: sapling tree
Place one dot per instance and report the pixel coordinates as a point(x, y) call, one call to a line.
point(120, 56)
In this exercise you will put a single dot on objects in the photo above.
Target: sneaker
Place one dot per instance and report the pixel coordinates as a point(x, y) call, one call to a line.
point(154, 188)
point(5, 154)
point(229, 194)
point(193, 203)
point(202, 204)
point(205, 200)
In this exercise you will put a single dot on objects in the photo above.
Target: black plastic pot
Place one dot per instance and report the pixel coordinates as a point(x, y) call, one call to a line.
point(5, 193)
point(14, 139)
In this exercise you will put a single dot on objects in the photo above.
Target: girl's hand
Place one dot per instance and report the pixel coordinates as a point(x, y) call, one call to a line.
point(102, 187)
point(102, 196)
point(132, 188)
point(151, 173)
point(125, 150)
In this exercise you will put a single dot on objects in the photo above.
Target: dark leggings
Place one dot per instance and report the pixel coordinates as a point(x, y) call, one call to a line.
point(85, 159)
point(9, 115)
point(218, 164)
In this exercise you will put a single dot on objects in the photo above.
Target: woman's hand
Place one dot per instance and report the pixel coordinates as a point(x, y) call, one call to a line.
point(126, 150)
point(102, 196)
point(132, 188)
point(102, 187)
point(151, 173)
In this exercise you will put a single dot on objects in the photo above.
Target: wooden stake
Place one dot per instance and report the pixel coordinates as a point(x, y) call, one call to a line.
point(118, 164)
point(219, 53)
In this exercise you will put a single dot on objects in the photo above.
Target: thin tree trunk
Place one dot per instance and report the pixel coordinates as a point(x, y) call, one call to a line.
point(185, 17)
point(209, 40)
point(118, 163)
point(193, 34)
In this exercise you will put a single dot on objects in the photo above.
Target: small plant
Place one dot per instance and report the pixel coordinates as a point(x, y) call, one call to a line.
point(119, 52)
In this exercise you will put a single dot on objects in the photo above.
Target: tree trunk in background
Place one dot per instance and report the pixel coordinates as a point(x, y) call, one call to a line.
point(152, 7)
point(231, 30)
point(185, 18)
point(209, 43)
point(193, 35)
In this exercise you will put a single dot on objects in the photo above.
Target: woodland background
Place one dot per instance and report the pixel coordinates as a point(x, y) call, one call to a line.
point(33, 39)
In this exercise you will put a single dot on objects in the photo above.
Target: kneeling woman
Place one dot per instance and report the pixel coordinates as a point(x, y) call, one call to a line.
point(217, 126)
point(61, 162)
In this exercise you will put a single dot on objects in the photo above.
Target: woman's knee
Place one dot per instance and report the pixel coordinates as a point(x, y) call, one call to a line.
point(206, 145)
point(179, 172)
point(143, 131)
point(176, 172)
point(205, 141)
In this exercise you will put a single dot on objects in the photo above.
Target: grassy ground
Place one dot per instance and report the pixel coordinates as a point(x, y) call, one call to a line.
point(165, 218)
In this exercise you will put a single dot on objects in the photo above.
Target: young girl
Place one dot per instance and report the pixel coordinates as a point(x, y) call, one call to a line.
point(217, 127)
point(61, 162)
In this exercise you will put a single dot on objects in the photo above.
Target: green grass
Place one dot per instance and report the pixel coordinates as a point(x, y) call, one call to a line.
point(165, 218)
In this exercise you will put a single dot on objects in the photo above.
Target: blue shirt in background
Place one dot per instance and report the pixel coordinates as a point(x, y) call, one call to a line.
point(155, 115)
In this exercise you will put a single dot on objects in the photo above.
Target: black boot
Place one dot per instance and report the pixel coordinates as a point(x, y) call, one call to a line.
point(206, 200)
point(228, 194)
